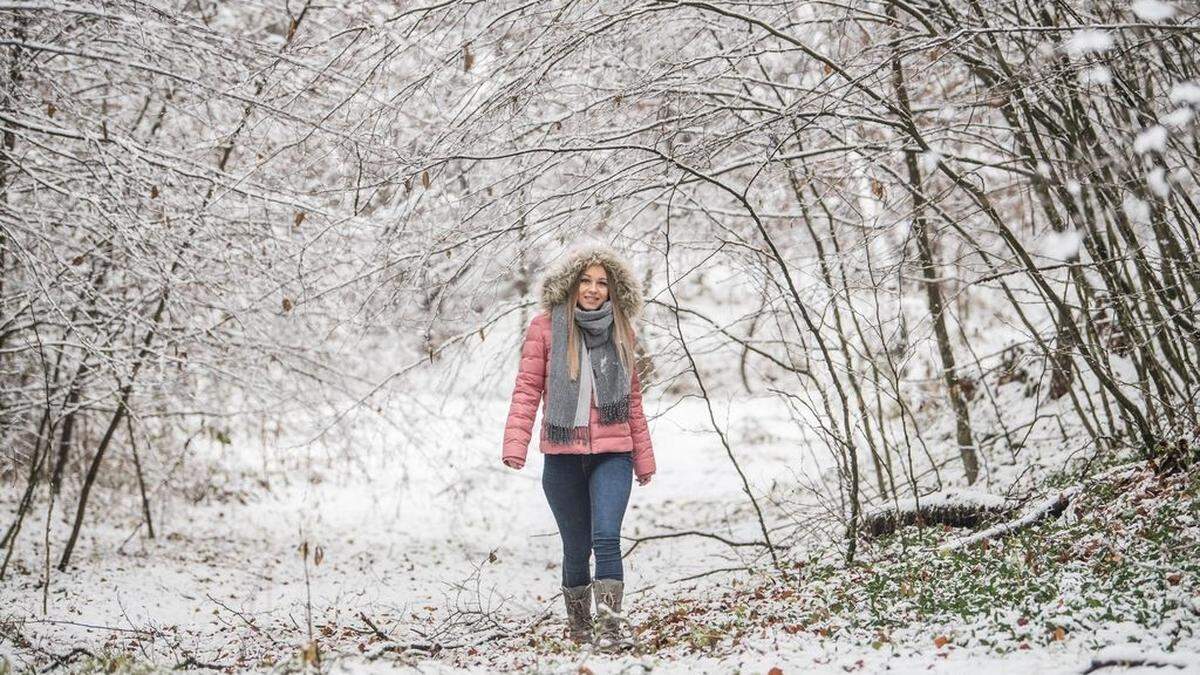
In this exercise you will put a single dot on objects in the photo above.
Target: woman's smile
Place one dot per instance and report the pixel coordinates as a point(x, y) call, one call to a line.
point(593, 287)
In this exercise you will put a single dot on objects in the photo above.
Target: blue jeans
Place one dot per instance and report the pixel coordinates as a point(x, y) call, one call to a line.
point(588, 495)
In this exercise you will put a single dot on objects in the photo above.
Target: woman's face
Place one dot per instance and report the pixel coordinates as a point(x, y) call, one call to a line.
point(593, 287)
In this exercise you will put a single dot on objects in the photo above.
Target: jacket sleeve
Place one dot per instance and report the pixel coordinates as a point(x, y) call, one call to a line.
point(643, 451)
point(527, 393)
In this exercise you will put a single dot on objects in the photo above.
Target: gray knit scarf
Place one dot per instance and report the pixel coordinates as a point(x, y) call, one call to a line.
point(568, 405)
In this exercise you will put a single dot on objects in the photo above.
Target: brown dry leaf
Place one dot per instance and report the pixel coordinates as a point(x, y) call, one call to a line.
point(1059, 634)
point(940, 641)
point(318, 556)
point(425, 179)
point(309, 654)
point(153, 192)
point(287, 305)
point(775, 670)
point(50, 109)
point(468, 58)
point(877, 188)
point(298, 219)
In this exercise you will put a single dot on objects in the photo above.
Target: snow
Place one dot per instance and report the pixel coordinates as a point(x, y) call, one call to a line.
point(1151, 139)
point(1136, 209)
point(962, 496)
point(1061, 245)
point(403, 531)
point(1096, 75)
point(1153, 10)
point(1032, 515)
point(409, 538)
point(1157, 180)
point(1186, 92)
point(1155, 660)
point(1089, 41)
point(929, 161)
point(1178, 118)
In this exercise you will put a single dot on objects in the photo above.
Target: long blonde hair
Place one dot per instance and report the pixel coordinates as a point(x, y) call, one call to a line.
point(622, 327)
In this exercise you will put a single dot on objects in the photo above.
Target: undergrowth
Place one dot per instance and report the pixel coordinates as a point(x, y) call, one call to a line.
point(1120, 565)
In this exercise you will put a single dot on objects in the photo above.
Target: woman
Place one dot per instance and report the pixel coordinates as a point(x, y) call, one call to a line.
point(578, 355)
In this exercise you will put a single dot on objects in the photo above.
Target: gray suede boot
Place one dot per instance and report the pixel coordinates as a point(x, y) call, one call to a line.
point(610, 635)
point(579, 613)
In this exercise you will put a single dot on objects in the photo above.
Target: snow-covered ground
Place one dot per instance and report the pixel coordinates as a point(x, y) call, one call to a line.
point(438, 539)
point(406, 534)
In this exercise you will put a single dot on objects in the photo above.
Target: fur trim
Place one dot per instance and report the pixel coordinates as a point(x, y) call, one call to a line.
point(560, 277)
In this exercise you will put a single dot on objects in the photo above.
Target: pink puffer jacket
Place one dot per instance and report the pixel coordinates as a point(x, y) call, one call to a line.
point(529, 392)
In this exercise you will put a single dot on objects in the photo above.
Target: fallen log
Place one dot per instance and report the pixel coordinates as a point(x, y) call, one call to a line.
point(957, 508)
point(1049, 508)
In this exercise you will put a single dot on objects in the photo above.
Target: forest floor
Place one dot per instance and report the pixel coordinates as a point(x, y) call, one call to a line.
point(440, 559)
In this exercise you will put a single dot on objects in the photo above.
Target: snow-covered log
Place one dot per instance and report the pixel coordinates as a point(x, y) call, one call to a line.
point(956, 508)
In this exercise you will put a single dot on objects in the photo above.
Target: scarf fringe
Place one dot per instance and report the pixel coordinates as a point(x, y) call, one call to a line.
point(565, 435)
point(617, 411)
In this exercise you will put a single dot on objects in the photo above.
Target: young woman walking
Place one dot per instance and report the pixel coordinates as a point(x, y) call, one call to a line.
point(578, 356)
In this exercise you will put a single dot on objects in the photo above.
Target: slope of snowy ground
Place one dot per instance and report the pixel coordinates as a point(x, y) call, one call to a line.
point(446, 545)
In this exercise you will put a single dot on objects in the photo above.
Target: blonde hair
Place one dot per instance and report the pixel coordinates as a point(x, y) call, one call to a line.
point(622, 327)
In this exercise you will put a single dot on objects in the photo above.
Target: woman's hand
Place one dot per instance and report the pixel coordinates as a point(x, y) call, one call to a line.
point(513, 463)
point(645, 480)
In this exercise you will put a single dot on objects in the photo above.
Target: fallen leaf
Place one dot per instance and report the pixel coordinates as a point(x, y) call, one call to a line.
point(309, 654)
point(940, 641)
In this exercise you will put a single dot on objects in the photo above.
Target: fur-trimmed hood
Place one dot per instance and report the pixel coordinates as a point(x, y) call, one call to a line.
point(560, 276)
